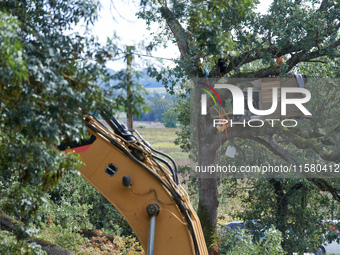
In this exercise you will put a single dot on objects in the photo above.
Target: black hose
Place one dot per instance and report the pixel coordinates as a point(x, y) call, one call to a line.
point(175, 170)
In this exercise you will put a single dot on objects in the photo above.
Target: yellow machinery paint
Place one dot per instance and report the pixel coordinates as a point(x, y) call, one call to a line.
point(177, 227)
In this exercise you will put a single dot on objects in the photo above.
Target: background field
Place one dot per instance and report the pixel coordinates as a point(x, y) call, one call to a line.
point(163, 139)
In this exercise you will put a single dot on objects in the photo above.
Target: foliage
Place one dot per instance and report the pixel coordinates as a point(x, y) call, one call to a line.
point(298, 215)
point(71, 240)
point(72, 209)
point(120, 245)
point(228, 238)
point(239, 242)
point(48, 81)
point(169, 118)
point(208, 22)
point(183, 115)
point(77, 206)
point(98, 244)
point(48, 78)
point(158, 104)
point(10, 245)
point(13, 66)
point(65, 237)
point(296, 207)
point(190, 185)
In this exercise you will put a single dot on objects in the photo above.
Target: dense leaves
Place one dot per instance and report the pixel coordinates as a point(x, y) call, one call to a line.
point(158, 104)
point(48, 77)
point(170, 118)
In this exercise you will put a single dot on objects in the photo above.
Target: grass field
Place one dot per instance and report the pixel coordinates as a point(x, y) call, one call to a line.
point(163, 139)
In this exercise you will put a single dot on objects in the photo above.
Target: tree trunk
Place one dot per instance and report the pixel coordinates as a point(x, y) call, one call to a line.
point(207, 209)
point(207, 187)
point(129, 114)
point(282, 208)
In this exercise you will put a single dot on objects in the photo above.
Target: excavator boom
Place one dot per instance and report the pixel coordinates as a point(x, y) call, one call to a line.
point(143, 187)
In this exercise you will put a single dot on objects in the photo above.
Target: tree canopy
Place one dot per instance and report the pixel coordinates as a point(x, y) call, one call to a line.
point(230, 39)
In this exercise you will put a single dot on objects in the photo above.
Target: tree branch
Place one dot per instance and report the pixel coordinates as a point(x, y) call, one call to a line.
point(301, 55)
point(323, 5)
point(303, 143)
point(275, 148)
point(267, 130)
point(177, 30)
point(324, 185)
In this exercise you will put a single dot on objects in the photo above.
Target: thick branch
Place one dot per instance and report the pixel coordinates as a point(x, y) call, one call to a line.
point(303, 143)
point(324, 185)
point(268, 130)
point(302, 56)
point(275, 148)
point(233, 132)
point(177, 30)
point(182, 39)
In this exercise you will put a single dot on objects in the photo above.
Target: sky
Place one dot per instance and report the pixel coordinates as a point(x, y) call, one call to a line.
point(132, 31)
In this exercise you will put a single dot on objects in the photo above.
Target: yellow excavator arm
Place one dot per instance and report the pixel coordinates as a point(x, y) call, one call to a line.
point(143, 187)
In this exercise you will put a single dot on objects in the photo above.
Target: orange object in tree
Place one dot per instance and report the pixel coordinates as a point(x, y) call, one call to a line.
point(279, 60)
